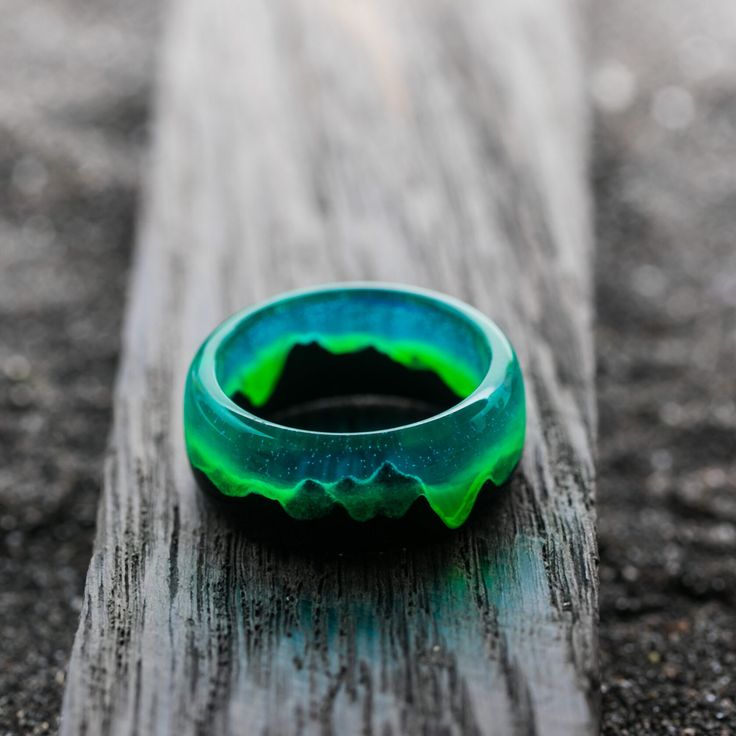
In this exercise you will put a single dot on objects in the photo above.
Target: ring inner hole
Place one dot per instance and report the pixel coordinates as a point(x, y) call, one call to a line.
point(351, 392)
point(308, 364)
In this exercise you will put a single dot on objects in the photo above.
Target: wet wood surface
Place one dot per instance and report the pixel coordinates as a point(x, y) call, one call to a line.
point(433, 143)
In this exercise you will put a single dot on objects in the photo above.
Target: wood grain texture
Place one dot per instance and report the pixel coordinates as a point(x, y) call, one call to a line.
point(437, 143)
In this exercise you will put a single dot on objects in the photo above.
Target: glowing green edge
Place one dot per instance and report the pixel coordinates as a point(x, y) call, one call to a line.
point(260, 377)
point(360, 503)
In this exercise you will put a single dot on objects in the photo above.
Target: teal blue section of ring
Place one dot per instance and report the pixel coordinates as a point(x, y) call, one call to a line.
point(446, 458)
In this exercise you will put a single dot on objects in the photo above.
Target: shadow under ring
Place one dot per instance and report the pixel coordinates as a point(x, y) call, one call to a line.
point(357, 396)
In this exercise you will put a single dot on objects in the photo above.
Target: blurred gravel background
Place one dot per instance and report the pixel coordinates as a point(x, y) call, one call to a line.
point(75, 80)
point(665, 175)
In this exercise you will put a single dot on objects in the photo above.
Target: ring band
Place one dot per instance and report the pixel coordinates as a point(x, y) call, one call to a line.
point(364, 396)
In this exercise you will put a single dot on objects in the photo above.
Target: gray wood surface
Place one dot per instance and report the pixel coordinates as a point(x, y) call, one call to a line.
point(436, 143)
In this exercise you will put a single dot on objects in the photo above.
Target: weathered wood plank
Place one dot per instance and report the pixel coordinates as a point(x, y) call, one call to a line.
point(437, 143)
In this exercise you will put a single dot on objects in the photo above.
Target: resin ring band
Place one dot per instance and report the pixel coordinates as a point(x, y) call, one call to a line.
point(361, 396)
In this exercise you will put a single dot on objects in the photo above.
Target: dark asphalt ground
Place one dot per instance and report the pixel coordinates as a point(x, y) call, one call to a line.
point(74, 80)
point(76, 83)
point(665, 179)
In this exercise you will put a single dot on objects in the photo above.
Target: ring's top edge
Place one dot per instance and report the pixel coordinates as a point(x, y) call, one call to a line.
point(501, 351)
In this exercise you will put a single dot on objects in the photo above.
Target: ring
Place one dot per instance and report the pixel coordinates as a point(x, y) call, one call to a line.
point(362, 396)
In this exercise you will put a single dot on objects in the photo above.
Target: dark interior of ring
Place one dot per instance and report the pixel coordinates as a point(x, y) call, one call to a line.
point(353, 392)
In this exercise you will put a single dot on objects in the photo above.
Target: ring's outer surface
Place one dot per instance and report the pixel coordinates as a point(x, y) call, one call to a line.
point(446, 458)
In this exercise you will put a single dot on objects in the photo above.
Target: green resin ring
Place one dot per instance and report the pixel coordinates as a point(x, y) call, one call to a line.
point(360, 396)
